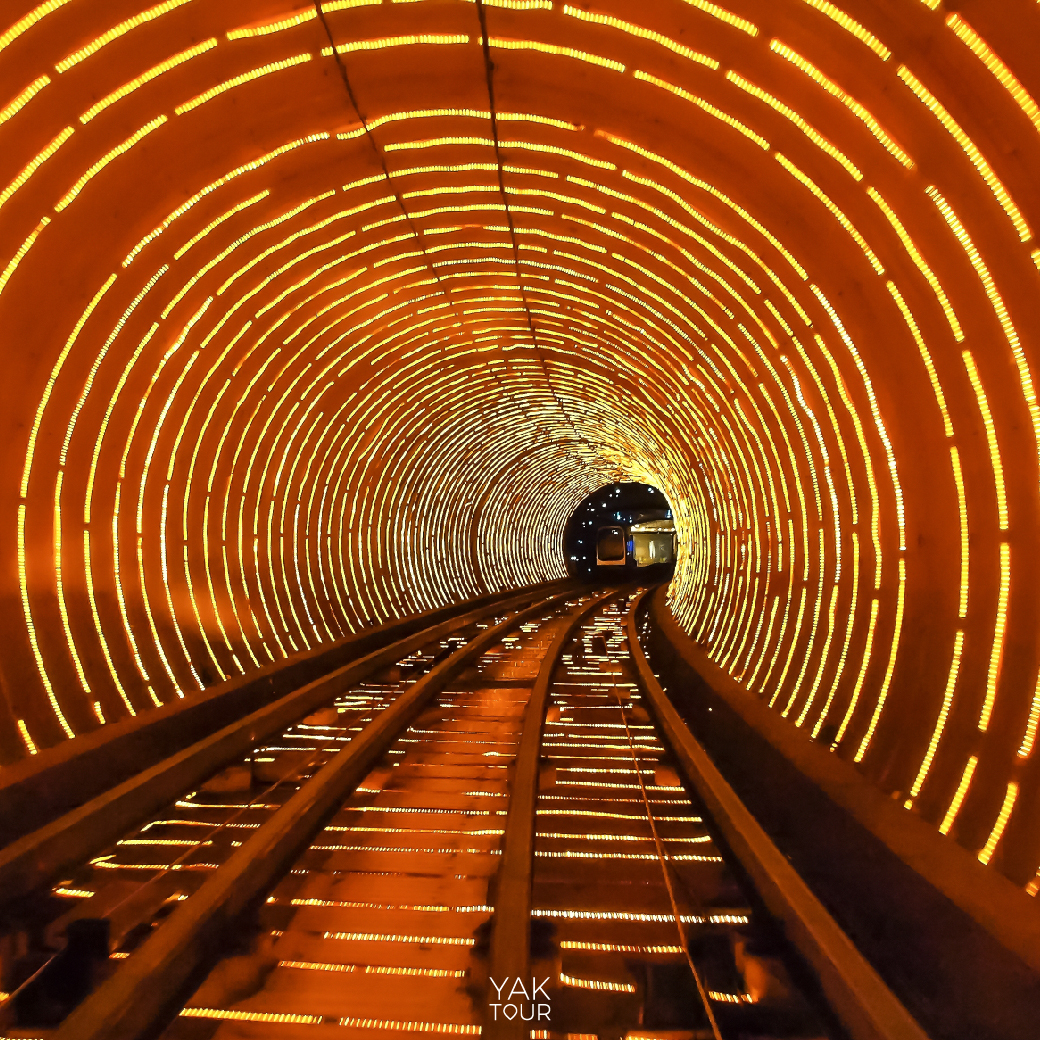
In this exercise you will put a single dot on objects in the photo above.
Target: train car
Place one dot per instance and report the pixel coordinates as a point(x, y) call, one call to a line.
point(612, 546)
point(653, 542)
point(636, 545)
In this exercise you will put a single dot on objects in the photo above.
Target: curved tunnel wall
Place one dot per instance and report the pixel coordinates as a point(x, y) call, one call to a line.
point(297, 339)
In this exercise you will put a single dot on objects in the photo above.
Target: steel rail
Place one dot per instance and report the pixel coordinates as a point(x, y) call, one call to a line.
point(666, 873)
point(60, 846)
point(867, 1008)
point(143, 993)
point(510, 954)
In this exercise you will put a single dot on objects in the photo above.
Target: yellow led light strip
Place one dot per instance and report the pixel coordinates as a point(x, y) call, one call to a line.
point(472, 113)
point(725, 117)
point(842, 658)
point(34, 164)
point(433, 940)
point(55, 372)
point(998, 828)
point(548, 48)
point(570, 944)
point(23, 249)
point(120, 689)
point(919, 262)
point(940, 722)
point(597, 984)
point(220, 220)
point(249, 1016)
point(31, 627)
point(847, 100)
point(1029, 737)
point(544, 1034)
point(136, 515)
point(724, 16)
point(731, 998)
point(435, 142)
point(926, 356)
point(978, 46)
point(512, 5)
point(377, 969)
point(146, 77)
point(29, 20)
point(641, 33)
point(30, 744)
point(113, 399)
point(237, 81)
point(999, 627)
point(850, 25)
point(264, 254)
point(969, 148)
point(18, 103)
point(861, 677)
point(837, 213)
point(393, 41)
point(220, 182)
point(626, 915)
point(63, 456)
point(120, 149)
point(554, 150)
point(411, 1027)
point(285, 23)
point(959, 794)
point(119, 30)
point(991, 438)
point(789, 113)
point(962, 509)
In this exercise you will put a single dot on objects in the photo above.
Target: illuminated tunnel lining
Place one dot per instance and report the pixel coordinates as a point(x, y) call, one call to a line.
point(274, 372)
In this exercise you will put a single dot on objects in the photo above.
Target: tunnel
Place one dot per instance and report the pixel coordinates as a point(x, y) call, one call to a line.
point(319, 316)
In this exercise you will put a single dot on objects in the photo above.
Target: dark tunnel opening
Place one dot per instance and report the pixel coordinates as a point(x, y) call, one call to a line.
point(622, 531)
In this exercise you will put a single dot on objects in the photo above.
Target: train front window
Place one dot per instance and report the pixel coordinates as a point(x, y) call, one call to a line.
point(611, 545)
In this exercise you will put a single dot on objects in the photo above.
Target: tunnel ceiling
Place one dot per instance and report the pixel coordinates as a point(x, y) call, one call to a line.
point(299, 338)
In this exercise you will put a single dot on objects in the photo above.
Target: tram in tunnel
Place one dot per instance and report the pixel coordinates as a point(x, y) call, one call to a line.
point(622, 525)
point(585, 456)
point(645, 543)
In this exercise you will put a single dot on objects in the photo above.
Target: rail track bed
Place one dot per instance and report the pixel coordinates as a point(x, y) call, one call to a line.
point(376, 926)
point(174, 852)
point(493, 835)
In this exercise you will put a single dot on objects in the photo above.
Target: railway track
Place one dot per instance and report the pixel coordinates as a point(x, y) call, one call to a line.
point(501, 832)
